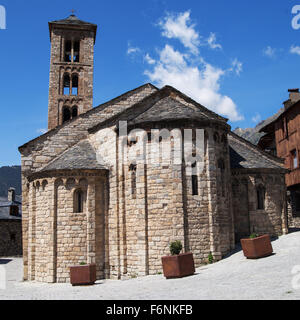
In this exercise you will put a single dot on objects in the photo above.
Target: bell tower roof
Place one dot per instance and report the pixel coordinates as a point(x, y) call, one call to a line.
point(73, 22)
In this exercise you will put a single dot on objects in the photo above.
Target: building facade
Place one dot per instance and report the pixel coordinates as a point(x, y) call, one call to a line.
point(116, 184)
point(282, 136)
point(11, 225)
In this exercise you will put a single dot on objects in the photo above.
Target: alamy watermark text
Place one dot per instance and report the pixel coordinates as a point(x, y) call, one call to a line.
point(2, 17)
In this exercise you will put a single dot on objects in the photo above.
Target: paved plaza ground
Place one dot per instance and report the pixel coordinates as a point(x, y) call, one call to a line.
point(235, 277)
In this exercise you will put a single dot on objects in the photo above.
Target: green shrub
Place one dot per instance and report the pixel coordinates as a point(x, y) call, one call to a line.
point(253, 235)
point(82, 263)
point(175, 247)
point(210, 258)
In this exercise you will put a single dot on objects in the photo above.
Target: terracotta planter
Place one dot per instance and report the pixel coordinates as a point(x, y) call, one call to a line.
point(83, 275)
point(178, 266)
point(257, 248)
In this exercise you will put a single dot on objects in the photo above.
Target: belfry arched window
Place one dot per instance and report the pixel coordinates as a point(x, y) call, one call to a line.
point(66, 114)
point(74, 112)
point(76, 51)
point(70, 84)
point(74, 84)
point(68, 50)
point(69, 113)
point(72, 51)
point(66, 84)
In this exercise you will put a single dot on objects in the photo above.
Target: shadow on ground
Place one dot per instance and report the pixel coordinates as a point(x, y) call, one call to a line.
point(5, 261)
point(292, 230)
point(274, 239)
point(237, 249)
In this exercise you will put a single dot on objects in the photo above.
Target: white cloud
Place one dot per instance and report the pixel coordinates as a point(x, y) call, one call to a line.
point(269, 52)
point(41, 131)
point(148, 59)
point(256, 118)
point(212, 41)
point(186, 69)
point(180, 27)
point(132, 50)
point(295, 50)
point(202, 83)
point(237, 66)
point(171, 57)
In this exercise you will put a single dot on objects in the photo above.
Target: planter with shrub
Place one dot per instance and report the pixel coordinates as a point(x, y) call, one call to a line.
point(84, 274)
point(178, 265)
point(257, 246)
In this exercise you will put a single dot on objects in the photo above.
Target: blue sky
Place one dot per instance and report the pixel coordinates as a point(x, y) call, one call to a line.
point(236, 57)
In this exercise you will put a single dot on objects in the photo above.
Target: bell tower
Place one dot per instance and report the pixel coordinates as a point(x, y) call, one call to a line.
point(71, 69)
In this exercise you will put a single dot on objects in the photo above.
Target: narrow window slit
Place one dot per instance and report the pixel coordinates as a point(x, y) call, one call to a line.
point(132, 169)
point(195, 191)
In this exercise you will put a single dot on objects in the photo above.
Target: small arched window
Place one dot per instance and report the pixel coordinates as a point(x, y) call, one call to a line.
point(261, 194)
point(66, 114)
point(216, 137)
point(224, 139)
point(78, 201)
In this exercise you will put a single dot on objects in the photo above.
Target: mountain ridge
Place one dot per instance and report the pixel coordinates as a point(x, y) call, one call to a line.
point(10, 176)
point(252, 134)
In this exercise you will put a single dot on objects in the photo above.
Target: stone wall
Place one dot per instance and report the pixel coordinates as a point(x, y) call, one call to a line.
point(41, 231)
point(247, 217)
point(219, 180)
point(11, 238)
point(71, 230)
point(41, 151)
point(163, 208)
point(159, 192)
point(60, 237)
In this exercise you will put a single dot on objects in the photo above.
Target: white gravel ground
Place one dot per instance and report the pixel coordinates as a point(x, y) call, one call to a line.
point(232, 278)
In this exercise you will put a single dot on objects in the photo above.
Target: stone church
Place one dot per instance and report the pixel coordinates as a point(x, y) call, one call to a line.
point(84, 200)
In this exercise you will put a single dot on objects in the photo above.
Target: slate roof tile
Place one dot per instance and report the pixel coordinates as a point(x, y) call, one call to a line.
point(244, 154)
point(80, 156)
point(5, 209)
point(72, 20)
